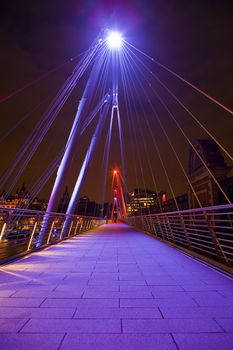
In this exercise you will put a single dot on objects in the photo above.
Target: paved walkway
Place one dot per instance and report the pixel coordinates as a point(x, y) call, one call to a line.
point(114, 288)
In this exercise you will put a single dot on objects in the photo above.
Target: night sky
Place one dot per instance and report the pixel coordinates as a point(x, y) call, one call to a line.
point(194, 38)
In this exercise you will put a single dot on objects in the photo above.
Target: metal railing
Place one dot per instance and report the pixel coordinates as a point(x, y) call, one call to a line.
point(20, 230)
point(206, 231)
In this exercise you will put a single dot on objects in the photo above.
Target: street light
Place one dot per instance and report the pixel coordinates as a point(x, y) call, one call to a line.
point(114, 40)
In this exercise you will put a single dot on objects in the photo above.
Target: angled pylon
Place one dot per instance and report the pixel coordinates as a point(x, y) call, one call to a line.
point(118, 207)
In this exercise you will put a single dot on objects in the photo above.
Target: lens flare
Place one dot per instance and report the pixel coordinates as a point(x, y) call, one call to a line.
point(114, 40)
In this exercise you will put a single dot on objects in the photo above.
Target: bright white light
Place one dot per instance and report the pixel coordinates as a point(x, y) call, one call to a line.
point(114, 40)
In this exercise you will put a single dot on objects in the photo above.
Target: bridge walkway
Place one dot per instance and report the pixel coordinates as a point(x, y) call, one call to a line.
point(114, 288)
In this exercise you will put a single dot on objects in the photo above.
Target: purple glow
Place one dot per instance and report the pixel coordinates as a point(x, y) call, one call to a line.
point(114, 40)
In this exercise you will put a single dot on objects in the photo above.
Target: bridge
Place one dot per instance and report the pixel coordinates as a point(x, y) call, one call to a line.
point(114, 287)
point(150, 277)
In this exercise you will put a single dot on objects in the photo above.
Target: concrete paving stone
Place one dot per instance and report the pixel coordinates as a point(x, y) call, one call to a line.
point(73, 283)
point(32, 293)
point(173, 288)
point(190, 296)
point(40, 284)
point(118, 341)
point(103, 287)
point(116, 282)
point(70, 289)
point(163, 294)
point(106, 269)
point(11, 325)
point(213, 295)
point(156, 302)
point(5, 292)
point(38, 312)
point(124, 268)
point(218, 279)
point(30, 341)
point(14, 267)
point(210, 341)
point(133, 262)
point(155, 274)
point(120, 295)
point(78, 275)
point(21, 302)
point(170, 326)
point(217, 300)
point(67, 303)
point(163, 281)
point(72, 326)
point(134, 288)
point(200, 287)
point(104, 276)
point(82, 269)
point(14, 285)
point(117, 313)
point(196, 312)
point(226, 324)
point(226, 292)
point(105, 264)
point(131, 276)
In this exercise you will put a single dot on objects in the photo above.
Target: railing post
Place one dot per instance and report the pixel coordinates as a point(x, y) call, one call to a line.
point(50, 232)
point(165, 228)
point(170, 229)
point(71, 225)
point(76, 227)
point(62, 229)
point(185, 232)
point(151, 225)
point(220, 254)
point(3, 231)
point(32, 235)
point(161, 227)
point(81, 225)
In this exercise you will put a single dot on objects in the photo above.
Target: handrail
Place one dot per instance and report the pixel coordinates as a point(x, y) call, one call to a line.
point(207, 231)
point(20, 230)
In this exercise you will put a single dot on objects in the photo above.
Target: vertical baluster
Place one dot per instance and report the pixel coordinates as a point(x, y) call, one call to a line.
point(50, 232)
point(32, 235)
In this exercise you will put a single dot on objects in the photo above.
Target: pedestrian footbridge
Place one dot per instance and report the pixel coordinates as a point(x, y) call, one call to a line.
point(114, 288)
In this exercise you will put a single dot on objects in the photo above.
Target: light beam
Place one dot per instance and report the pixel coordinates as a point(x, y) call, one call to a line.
point(114, 40)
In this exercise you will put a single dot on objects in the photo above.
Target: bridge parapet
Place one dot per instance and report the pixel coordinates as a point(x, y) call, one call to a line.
point(206, 232)
point(20, 230)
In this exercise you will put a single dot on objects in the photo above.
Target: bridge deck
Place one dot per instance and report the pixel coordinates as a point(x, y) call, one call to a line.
point(114, 288)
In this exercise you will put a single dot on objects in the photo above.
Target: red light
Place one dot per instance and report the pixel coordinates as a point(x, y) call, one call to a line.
point(115, 172)
point(164, 198)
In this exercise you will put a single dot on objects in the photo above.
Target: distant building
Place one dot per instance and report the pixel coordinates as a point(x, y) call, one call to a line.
point(202, 182)
point(19, 200)
point(38, 204)
point(90, 208)
point(170, 204)
point(143, 201)
point(22, 199)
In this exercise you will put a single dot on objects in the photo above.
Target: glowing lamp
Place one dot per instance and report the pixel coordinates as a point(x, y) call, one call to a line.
point(115, 172)
point(164, 199)
point(114, 40)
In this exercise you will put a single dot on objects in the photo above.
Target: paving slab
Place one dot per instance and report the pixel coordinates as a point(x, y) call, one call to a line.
point(170, 326)
point(21, 341)
point(210, 341)
point(118, 341)
point(72, 326)
point(114, 288)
